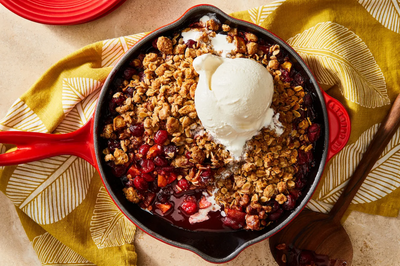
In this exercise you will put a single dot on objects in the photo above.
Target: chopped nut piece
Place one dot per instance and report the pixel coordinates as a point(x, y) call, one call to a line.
point(212, 25)
point(281, 198)
point(164, 45)
point(119, 123)
point(172, 125)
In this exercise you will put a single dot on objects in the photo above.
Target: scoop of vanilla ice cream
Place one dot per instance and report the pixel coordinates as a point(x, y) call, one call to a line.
point(233, 99)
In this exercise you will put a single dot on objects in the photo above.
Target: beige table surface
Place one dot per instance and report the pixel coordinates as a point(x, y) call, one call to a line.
point(27, 49)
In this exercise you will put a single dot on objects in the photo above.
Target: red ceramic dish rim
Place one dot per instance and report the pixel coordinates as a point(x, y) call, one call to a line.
point(64, 15)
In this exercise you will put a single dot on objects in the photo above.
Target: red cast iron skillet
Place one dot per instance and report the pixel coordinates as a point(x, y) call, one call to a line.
point(213, 246)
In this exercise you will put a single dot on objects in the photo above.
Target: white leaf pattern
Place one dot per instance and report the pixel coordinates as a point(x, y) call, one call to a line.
point(21, 117)
point(337, 56)
point(77, 89)
point(50, 189)
point(383, 179)
point(259, 14)
point(113, 49)
point(319, 206)
point(80, 114)
point(52, 252)
point(109, 227)
point(387, 12)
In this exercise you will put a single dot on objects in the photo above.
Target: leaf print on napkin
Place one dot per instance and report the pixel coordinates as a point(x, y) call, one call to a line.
point(113, 49)
point(337, 56)
point(50, 189)
point(319, 206)
point(80, 114)
point(21, 117)
point(387, 12)
point(52, 252)
point(259, 14)
point(77, 89)
point(109, 227)
point(383, 179)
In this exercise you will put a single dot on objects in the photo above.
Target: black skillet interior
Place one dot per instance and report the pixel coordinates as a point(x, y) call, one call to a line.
point(212, 246)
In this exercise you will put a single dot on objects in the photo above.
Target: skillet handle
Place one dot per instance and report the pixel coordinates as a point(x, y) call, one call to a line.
point(33, 146)
point(339, 125)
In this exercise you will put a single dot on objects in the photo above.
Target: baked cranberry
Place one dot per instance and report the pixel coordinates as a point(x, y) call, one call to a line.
point(119, 170)
point(148, 198)
point(161, 136)
point(290, 203)
point(170, 151)
point(295, 193)
point(129, 91)
point(160, 161)
point(307, 100)
point(285, 76)
point(275, 215)
point(300, 183)
point(154, 151)
point(231, 223)
point(118, 100)
point(137, 130)
point(306, 257)
point(129, 72)
point(189, 205)
point(313, 132)
point(302, 157)
point(235, 215)
point(172, 177)
point(113, 144)
point(111, 108)
point(140, 183)
point(133, 171)
point(274, 205)
point(191, 43)
point(141, 76)
point(166, 169)
point(188, 154)
point(144, 149)
point(154, 43)
point(183, 184)
point(148, 177)
point(206, 175)
point(264, 48)
point(298, 79)
point(163, 197)
point(147, 166)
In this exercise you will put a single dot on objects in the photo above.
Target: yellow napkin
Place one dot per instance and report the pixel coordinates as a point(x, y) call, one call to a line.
point(352, 48)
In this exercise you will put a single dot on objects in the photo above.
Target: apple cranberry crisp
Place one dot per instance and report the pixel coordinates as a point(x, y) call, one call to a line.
point(172, 167)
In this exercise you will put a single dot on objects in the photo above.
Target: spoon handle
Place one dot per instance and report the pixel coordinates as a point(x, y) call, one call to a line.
point(389, 126)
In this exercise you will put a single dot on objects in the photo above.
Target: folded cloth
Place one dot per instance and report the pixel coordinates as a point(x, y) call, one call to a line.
point(349, 45)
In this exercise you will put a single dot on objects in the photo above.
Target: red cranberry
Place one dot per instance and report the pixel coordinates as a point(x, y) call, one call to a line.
point(191, 43)
point(161, 136)
point(264, 48)
point(306, 257)
point(160, 161)
point(206, 175)
point(313, 132)
point(235, 215)
point(144, 149)
point(299, 80)
point(154, 43)
point(113, 144)
point(170, 151)
point(137, 130)
point(163, 197)
point(147, 166)
point(275, 215)
point(129, 183)
point(167, 169)
point(302, 157)
point(307, 100)
point(118, 100)
point(129, 91)
point(231, 223)
point(183, 184)
point(285, 76)
point(188, 154)
point(300, 183)
point(274, 205)
point(129, 72)
point(148, 177)
point(140, 183)
point(189, 205)
point(295, 193)
point(290, 203)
